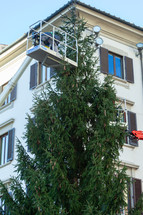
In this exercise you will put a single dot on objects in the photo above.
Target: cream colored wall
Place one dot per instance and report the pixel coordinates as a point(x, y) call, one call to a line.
point(122, 39)
point(118, 38)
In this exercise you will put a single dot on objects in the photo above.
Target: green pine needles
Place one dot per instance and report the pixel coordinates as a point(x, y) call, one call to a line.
point(73, 166)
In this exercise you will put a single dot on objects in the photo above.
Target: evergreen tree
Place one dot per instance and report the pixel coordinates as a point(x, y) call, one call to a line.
point(74, 139)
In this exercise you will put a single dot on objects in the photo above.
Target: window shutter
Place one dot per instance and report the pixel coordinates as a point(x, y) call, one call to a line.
point(11, 135)
point(104, 60)
point(137, 189)
point(33, 76)
point(13, 94)
point(129, 196)
point(129, 70)
point(132, 125)
point(52, 72)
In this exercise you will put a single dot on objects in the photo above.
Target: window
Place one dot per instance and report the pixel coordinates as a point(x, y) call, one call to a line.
point(115, 65)
point(134, 192)
point(119, 66)
point(40, 74)
point(2, 207)
point(11, 97)
point(4, 147)
point(129, 120)
point(7, 146)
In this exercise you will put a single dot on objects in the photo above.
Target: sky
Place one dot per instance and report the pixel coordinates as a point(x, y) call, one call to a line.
point(16, 16)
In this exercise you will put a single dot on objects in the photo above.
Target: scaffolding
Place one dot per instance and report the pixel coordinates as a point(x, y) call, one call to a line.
point(51, 46)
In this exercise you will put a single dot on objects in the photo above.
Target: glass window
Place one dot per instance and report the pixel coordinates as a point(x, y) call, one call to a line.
point(118, 67)
point(44, 74)
point(3, 149)
point(7, 100)
point(115, 65)
point(111, 64)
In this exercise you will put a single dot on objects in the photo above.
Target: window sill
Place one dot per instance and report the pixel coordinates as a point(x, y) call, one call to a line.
point(42, 85)
point(129, 146)
point(6, 107)
point(121, 82)
point(6, 164)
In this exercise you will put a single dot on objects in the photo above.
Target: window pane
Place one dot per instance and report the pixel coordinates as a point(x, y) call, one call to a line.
point(48, 73)
point(118, 67)
point(4, 149)
point(43, 74)
point(111, 64)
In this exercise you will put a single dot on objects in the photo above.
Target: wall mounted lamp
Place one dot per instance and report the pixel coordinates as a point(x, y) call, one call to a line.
point(98, 40)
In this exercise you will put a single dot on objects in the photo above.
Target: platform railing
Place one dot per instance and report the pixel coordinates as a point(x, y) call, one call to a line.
point(66, 44)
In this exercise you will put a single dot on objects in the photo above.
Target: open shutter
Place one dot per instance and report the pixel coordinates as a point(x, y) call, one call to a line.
point(137, 189)
point(129, 70)
point(132, 125)
point(11, 135)
point(104, 60)
point(129, 196)
point(33, 76)
point(13, 94)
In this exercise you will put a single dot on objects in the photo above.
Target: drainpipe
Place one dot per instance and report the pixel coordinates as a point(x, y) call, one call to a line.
point(140, 49)
point(11, 84)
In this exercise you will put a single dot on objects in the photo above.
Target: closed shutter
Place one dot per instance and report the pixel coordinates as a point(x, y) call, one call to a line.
point(104, 60)
point(132, 125)
point(33, 76)
point(137, 189)
point(129, 70)
point(52, 72)
point(11, 135)
point(13, 94)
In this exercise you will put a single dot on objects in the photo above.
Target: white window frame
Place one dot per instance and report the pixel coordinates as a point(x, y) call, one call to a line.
point(4, 149)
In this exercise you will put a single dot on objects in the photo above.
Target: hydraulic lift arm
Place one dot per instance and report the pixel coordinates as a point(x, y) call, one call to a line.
point(11, 84)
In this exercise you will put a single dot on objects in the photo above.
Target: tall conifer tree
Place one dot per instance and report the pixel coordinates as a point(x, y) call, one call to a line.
point(74, 136)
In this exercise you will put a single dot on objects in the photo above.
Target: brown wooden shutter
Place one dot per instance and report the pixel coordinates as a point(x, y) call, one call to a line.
point(13, 94)
point(129, 70)
point(11, 135)
point(104, 60)
point(129, 196)
point(137, 189)
point(132, 125)
point(33, 76)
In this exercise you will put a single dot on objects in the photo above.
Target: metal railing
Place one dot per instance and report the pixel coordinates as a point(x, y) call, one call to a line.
point(60, 41)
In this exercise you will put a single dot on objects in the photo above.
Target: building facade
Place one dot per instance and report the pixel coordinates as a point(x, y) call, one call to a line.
point(118, 57)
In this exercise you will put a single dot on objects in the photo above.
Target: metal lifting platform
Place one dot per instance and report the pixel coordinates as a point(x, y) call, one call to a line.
point(51, 46)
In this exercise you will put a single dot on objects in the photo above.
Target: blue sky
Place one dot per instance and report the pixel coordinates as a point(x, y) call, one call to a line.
point(16, 16)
